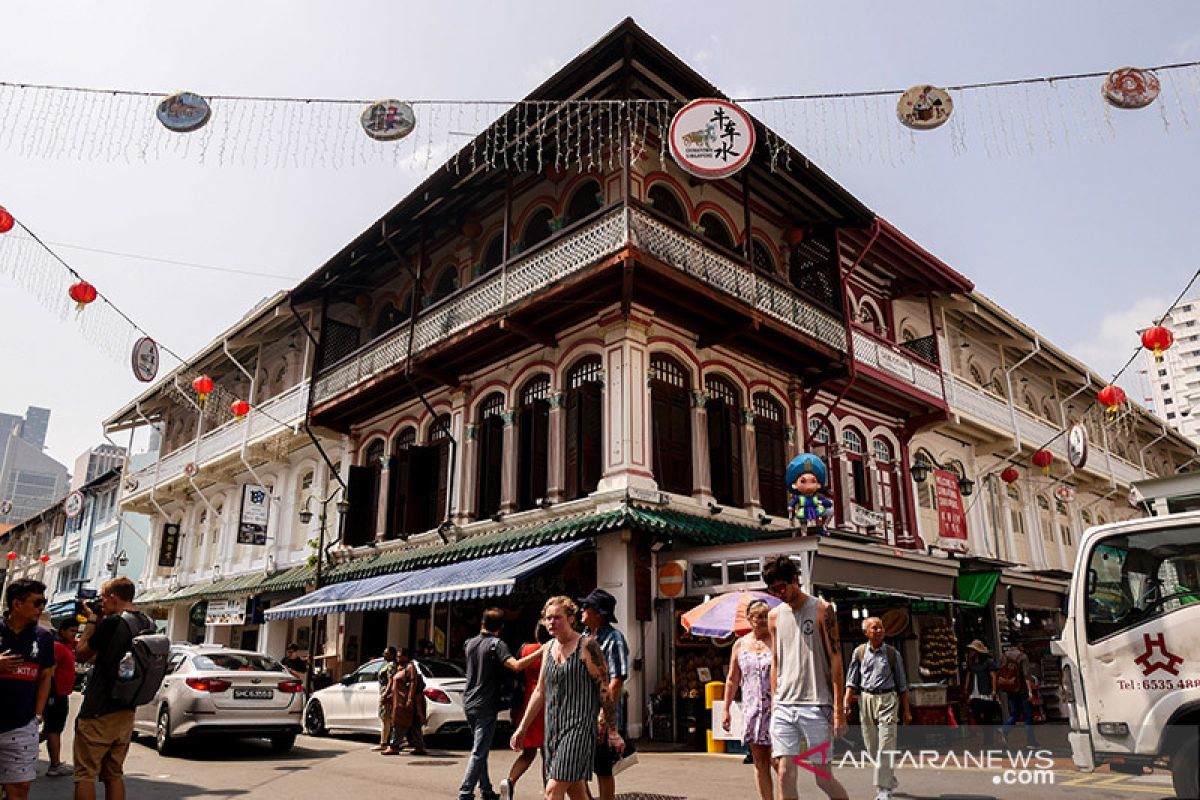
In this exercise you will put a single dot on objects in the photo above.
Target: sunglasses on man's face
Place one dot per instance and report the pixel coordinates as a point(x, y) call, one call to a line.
point(40, 602)
point(777, 589)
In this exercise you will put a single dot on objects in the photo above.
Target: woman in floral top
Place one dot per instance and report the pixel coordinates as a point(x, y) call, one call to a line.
point(750, 670)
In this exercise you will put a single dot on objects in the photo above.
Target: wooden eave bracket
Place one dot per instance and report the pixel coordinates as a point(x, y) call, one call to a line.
point(530, 333)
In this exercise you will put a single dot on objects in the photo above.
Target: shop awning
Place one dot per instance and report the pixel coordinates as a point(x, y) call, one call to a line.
point(491, 576)
point(976, 588)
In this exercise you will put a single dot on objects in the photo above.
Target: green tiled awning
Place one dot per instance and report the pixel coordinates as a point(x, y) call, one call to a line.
point(238, 586)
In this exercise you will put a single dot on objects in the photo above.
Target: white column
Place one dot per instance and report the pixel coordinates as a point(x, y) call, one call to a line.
point(177, 623)
point(556, 469)
point(701, 469)
point(508, 469)
point(626, 419)
point(614, 574)
point(750, 488)
point(272, 637)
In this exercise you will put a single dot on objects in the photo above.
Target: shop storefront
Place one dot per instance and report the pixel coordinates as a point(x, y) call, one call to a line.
point(1030, 611)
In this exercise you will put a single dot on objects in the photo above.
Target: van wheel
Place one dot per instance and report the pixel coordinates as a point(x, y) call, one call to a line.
point(162, 734)
point(1185, 767)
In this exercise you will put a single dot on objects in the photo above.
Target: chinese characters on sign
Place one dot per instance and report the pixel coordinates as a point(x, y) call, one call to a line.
point(145, 359)
point(952, 520)
point(256, 508)
point(168, 547)
point(711, 139)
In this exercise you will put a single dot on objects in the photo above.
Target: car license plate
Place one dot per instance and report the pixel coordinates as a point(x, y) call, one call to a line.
point(253, 694)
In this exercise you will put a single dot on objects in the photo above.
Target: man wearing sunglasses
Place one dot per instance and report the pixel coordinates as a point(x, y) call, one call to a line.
point(26, 672)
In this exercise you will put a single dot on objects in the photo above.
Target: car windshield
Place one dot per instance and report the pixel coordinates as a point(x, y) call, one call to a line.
point(440, 669)
point(242, 662)
point(1137, 576)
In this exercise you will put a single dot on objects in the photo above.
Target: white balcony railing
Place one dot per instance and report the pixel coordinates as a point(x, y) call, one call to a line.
point(967, 399)
point(897, 362)
point(286, 409)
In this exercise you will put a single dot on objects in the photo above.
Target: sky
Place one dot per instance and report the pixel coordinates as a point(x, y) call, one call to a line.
point(1084, 241)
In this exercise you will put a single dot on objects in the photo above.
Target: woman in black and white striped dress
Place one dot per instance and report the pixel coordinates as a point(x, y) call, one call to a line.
point(573, 686)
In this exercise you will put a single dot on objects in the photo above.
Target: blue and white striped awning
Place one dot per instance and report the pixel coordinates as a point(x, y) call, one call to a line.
point(492, 576)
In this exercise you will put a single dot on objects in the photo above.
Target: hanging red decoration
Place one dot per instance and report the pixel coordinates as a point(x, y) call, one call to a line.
point(1158, 339)
point(82, 293)
point(6, 220)
point(203, 387)
point(45, 559)
point(1043, 459)
point(240, 408)
point(12, 556)
point(1010, 476)
point(1112, 397)
point(793, 236)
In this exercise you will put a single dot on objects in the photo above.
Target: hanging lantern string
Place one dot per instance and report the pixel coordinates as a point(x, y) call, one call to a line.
point(1072, 76)
point(1013, 460)
point(74, 273)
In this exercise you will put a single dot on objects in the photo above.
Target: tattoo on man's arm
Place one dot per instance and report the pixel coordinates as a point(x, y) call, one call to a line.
point(831, 628)
point(599, 673)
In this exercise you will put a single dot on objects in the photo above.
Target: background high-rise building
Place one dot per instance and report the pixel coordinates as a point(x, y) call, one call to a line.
point(30, 480)
point(1175, 381)
point(94, 462)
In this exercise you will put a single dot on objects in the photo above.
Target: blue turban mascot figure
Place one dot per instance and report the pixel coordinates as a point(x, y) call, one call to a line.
point(806, 477)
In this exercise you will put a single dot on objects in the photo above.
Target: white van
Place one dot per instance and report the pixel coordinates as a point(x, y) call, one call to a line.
point(1131, 648)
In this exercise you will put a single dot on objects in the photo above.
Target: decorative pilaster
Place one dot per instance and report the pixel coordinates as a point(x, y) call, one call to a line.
point(750, 488)
point(556, 470)
point(508, 473)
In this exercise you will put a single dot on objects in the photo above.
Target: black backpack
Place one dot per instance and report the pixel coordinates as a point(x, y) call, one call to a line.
point(141, 668)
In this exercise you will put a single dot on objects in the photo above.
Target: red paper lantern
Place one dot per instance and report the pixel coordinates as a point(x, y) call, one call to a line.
point(12, 556)
point(1043, 459)
point(1157, 339)
point(793, 236)
point(6, 220)
point(82, 293)
point(45, 559)
point(1112, 397)
point(203, 387)
point(1010, 476)
point(240, 408)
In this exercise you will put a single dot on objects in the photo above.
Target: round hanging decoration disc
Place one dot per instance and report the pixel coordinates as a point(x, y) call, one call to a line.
point(1077, 445)
point(1064, 493)
point(145, 359)
point(183, 112)
point(73, 504)
point(924, 107)
point(5, 507)
point(388, 120)
point(1130, 87)
point(190, 469)
point(711, 139)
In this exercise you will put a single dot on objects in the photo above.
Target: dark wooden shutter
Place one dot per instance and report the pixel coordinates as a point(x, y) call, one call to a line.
point(572, 445)
point(360, 493)
point(421, 492)
point(441, 483)
point(718, 450)
point(734, 428)
point(669, 409)
point(772, 464)
point(398, 488)
point(533, 433)
point(491, 463)
point(591, 443)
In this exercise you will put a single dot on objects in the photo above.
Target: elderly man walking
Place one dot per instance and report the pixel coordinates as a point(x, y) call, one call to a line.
point(877, 673)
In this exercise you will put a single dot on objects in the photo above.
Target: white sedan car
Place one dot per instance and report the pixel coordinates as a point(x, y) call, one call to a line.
point(352, 704)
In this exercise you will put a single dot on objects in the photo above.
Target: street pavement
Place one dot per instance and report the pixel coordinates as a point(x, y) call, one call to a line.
point(345, 767)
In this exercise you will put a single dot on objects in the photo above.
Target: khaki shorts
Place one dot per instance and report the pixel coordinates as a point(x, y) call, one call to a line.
point(100, 746)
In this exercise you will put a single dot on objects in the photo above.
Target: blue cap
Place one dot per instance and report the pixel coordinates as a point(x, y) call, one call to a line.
point(806, 462)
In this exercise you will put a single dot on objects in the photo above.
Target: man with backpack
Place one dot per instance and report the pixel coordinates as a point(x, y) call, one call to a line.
point(124, 673)
point(1014, 679)
point(877, 673)
point(491, 683)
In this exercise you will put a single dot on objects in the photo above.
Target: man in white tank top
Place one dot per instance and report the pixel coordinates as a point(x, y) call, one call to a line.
point(807, 681)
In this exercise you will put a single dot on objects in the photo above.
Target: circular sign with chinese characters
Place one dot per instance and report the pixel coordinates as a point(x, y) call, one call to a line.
point(388, 120)
point(1077, 445)
point(145, 359)
point(924, 107)
point(1130, 88)
point(73, 505)
point(711, 139)
point(183, 112)
point(1064, 493)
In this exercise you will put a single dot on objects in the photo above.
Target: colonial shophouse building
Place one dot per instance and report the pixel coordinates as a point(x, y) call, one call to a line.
point(532, 382)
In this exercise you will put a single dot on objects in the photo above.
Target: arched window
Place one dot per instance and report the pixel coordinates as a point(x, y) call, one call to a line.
point(430, 470)
point(445, 285)
point(926, 493)
point(716, 231)
point(770, 445)
point(977, 376)
point(538, 228)
point(852, 441)
point(533, 442)
point(868, 318)
point(198, 538)
point(304, 490)
point(400, 483)
point(1086, 518)
point(818, 431)
point(1048, 411)
point(215, 525)
point(362, 521)
point(882, 450)
point(887, 479)
point(670, 414)
point(1022, 553)
point(490, 462)
point(389, 317)
point(724, 412)
point(666, 203)
point(854, 451)
point(764, 262)
point(493, 255)
point(587, 198)
point(997, 387)
point(584, 446)
point(1064, 524)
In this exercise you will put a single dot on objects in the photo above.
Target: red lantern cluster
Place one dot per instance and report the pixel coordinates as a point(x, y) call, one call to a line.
point(793, 236)
point(1157, 339)
point(240, 408)
point(1043, 459)
point(1010, 476)
point(203, 387)
point(6, 220)
point(82, 293)
point(1112, 397)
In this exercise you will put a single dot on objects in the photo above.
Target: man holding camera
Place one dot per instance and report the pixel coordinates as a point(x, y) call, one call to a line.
point(26, 672)
point(104, 726)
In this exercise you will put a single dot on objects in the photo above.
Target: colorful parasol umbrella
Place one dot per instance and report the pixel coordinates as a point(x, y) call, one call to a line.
point(724, 614)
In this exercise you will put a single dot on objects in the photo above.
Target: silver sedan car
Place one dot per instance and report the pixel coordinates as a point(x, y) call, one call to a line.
point(215, 691)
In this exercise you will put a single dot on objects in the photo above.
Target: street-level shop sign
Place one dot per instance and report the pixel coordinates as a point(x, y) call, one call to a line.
point(256, 511)
point(952, 520)
point(711, 139)
point(226, 612)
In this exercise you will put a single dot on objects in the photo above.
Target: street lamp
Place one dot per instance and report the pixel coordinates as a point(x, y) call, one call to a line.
point(118, 560)
point(306, 516)
point(920, 471)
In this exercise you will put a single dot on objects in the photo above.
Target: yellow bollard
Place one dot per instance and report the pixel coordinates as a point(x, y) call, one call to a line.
point(713, 690)
point(714, 745)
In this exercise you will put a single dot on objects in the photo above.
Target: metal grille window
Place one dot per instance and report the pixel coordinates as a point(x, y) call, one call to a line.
point(307, 481)
point(537, 389)
point(766, 407)
point(666, 203)
point(715, 231)
point(763, 260)
point(493, 406)
point(852, 440)
point(440, 430)
point(721, 389)
point(883, 450)
point(818, 431)
point(405, 439)
point(669, 371)
point(586, 371)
